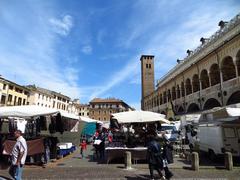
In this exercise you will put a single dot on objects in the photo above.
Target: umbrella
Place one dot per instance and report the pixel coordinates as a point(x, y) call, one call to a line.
point(26, 111)
point(139, 117)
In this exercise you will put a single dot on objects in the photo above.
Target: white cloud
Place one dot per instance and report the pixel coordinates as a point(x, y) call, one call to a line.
point(34, 58)
point(62, 26)
point(87, 49)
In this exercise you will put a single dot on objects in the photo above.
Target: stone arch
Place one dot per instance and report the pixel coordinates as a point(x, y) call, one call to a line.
point(169, 96)
point(182, 89)
point(164, 97)
point(180, 110)
point(204, 79)
point(228, 68)
point(211, 103)
point(238, 62)
point(195, 83)
point(163, 112)
point(178, 92)
point(234, 98)
point(161, 99)
point(193, 108)
point(214, 74)
point(188, 86)
point(173, 93)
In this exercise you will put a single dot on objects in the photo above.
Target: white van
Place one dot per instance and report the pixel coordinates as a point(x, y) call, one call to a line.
point(219, 137)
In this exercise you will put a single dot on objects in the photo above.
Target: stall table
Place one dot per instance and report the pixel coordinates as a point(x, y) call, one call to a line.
point(138, 153)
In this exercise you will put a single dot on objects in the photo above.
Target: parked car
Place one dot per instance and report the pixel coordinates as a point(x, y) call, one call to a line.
point(219, 137)
point(171, 131)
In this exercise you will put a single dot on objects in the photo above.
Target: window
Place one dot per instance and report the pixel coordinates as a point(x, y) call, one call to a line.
point(10, 98)
point(146, 65)
point(4, 86)
point(149, 66)
point(15, 100)
point(229, 133)
point(3, 99)
point(39, 96)
point(24, 101)
point(19, 101)
point(10, 87)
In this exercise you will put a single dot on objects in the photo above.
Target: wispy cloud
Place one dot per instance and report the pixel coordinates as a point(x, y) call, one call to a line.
point(62, 26)
point(87, 49)
point(34, 59)
point(116, 79)
point(166, 43)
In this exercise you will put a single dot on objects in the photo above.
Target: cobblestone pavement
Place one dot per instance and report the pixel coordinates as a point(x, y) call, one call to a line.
point(72, 167)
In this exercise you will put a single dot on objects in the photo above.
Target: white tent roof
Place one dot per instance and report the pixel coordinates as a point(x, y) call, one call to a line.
point(68, 115)
point(224, 112)
point(25, 111)
point(89, 120)
point(139, 117)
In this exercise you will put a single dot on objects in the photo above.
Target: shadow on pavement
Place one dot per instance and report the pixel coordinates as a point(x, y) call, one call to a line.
point(138, 177)
point(4, 178)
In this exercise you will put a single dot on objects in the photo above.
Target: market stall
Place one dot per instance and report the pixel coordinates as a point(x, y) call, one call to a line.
point(130, 133)
point(43, 126)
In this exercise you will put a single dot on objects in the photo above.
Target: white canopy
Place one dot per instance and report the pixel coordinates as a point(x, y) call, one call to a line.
point(139, 117)
point(221, 113)
point(25, 111)
point(89, 120)
point(68, 115)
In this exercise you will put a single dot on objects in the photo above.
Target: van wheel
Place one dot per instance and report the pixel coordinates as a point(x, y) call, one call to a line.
point(212, 155)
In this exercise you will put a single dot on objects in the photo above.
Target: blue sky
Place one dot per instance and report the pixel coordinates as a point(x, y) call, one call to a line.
point(88, 49)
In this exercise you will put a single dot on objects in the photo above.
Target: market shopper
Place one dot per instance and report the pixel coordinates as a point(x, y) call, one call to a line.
point(154, 157)
point(83, 148)
point(167, 156)
point(19, 154)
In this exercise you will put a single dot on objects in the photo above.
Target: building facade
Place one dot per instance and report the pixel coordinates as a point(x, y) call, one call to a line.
point(101, 109)
point(208, 77)
point(12, 94)
point(84, 110)
point(47, 98)
point(40, 96)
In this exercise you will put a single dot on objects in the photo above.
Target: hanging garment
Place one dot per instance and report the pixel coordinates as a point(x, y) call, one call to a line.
point(21, 124)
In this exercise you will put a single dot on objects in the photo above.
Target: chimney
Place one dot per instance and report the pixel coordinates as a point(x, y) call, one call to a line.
point(204, 40)
point(179, 61)
point(189, 52)
point(222, 24)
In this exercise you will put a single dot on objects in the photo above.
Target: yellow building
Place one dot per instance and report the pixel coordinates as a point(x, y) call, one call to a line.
point(12, 94)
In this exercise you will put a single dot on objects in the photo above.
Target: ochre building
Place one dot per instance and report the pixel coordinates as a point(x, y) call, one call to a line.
point(101, 109)
point(208, 77)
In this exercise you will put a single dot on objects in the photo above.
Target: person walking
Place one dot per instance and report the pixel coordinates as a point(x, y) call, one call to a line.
point(154, 157)
point(83, 148)
point(167, 156)
point(19, 154)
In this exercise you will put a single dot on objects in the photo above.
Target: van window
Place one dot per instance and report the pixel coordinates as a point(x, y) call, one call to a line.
point(164, 128)
point(229, 133)
point(238, 132)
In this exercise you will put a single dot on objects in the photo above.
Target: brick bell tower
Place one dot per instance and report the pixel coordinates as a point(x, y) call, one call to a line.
point(147, 76)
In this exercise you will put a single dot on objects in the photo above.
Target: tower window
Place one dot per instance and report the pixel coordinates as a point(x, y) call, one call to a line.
point(149, 66)
point(146, 65)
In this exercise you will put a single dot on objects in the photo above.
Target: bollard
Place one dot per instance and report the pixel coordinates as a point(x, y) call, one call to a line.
point(228, 161)
point(195, 161)
point(128, 161)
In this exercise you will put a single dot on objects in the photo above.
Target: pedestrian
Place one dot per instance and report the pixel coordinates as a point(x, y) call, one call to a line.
point(83, 148)
point(167, 156)
point(154, 157)
point(18, 156)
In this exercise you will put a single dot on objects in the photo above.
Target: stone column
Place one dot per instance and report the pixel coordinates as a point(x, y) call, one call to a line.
point(195, 161)
point(128, 160)
point(228, 161)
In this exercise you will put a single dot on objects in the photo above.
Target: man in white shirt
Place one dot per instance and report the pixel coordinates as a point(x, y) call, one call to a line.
point(19, 154)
